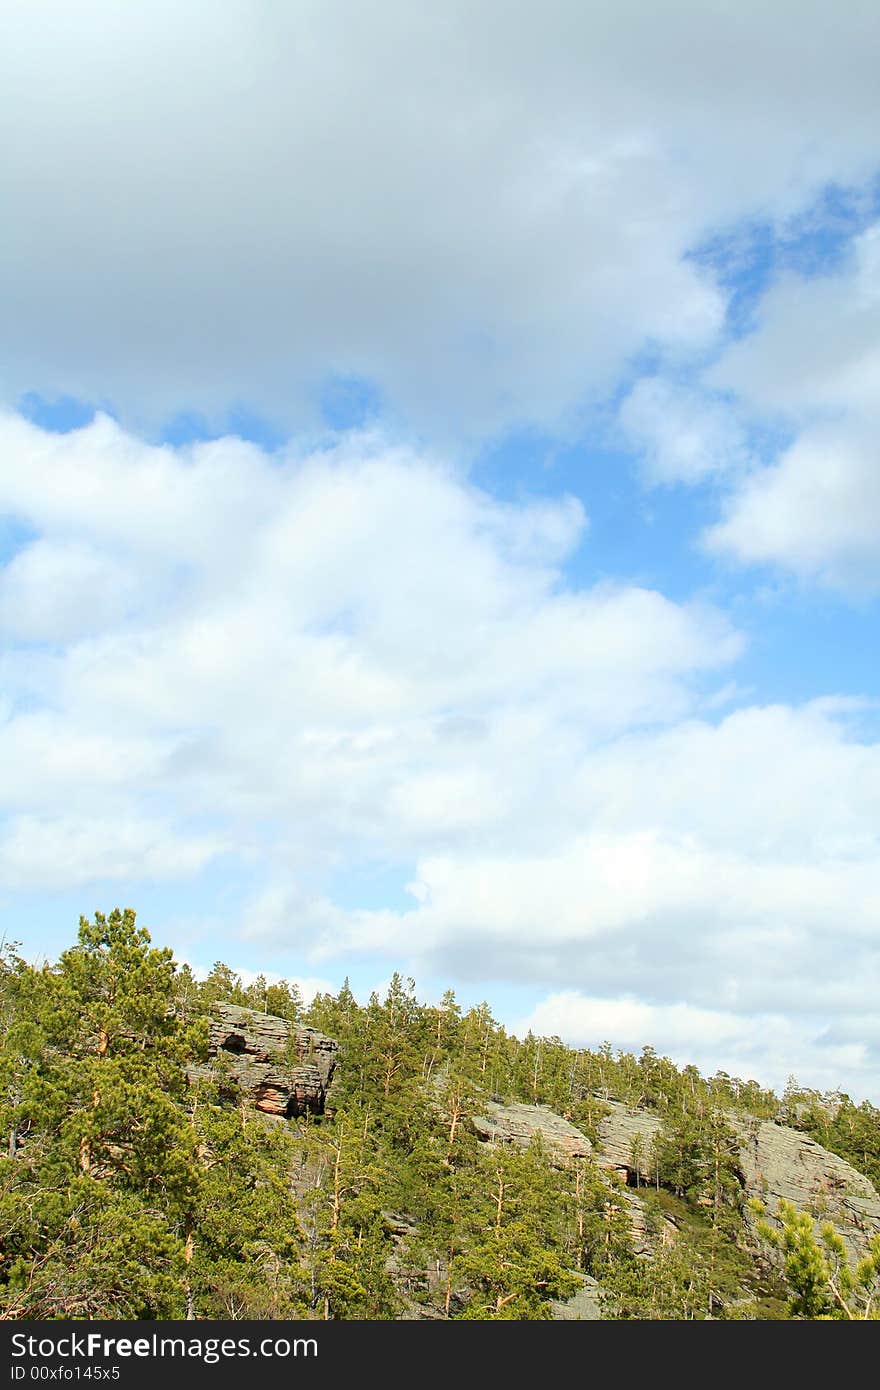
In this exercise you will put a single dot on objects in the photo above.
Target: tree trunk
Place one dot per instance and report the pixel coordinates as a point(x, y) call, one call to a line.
point(187, 1256)
point(448, 1298)
point(85, 1145)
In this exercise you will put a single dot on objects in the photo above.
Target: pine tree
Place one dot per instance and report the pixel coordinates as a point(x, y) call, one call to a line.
point(347, 1238)
point(107, 1168)
point(823, 1282)
point(244, 1241)
point(518, 1265)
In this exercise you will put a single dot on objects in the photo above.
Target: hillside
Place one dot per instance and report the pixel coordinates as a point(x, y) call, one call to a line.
point(182, 1149)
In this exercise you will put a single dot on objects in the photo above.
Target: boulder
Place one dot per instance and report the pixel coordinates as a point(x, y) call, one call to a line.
point(285, 1068)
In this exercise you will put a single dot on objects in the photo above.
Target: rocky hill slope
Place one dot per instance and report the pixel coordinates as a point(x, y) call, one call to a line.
point(776, 1163)
point(288, 1070)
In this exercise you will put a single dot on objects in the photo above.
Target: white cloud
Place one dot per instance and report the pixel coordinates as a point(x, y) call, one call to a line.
point(813, 362)
point(355, 658)
point(604, 894)
point(54, 592)
point(815, 512)
point(586, 1020)
point(815, 348)
point(682, 435)
point(482, 208)
point(56, 851)
point(771, 782)
point(356, 640)
point(734, 867)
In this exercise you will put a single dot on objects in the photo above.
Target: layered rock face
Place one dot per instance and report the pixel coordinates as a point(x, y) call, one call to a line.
point(776, 1163)
point(625, 1139)
point(286, 1069)
point(517, 1124)
point(779, 1164)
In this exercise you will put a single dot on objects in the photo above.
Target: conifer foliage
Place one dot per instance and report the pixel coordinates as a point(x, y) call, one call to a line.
point(135, 1183)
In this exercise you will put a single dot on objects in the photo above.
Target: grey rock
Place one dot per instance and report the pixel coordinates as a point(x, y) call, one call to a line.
point(517, 1124)
point(781, 1164)
point(583, 1306)
point(286, 1069)
point(777, 1163)
point(619, 1130)
point(642, 1244)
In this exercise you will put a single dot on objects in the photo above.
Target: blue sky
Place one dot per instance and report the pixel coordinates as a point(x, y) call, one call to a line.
point(449, 541)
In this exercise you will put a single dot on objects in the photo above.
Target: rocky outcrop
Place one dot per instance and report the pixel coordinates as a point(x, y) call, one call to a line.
point(781, 1164)
point(286, 1069)
point(776, 1163)
point(518, 1124)
point(642, 1242)
point(625, 1139)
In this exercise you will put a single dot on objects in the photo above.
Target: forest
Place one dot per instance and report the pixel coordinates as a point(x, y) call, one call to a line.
point(136, 1184)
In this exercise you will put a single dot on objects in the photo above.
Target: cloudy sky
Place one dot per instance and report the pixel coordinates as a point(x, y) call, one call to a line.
point(440, 504)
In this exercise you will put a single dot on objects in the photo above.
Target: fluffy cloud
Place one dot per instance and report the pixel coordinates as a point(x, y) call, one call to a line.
point(56, 851)
point(733, 866)
point(813, 363)
point(315, 665)
point(483, 209)
point(815, 512)
point(644, 911)
point(681, 434)
point(815, 348)
point(356, 641)
point(807, 372)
